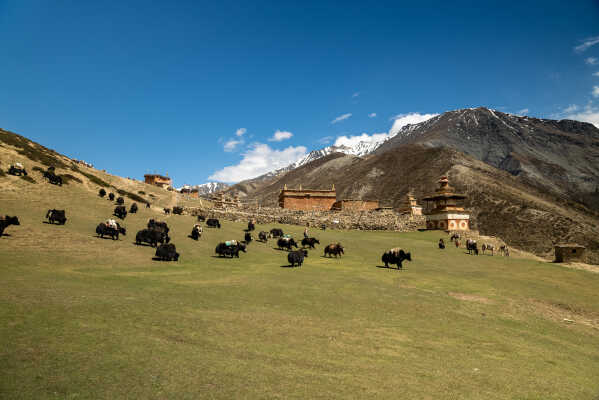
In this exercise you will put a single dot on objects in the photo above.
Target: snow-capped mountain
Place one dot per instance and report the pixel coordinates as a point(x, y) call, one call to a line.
point(206, 188)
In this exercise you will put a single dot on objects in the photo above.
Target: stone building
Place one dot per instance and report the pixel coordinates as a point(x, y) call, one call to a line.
point(158, 180)
point(446, 214)
point(222, 201)
point(569, 252)
point(307, 199)
point(355, 205)
point(409, 205)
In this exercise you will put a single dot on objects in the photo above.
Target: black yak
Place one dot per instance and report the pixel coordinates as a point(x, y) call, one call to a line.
point(52, 177)
point(102, 193)
point(297, 257)
point(286, 243)
point(111, 196)
point(248, 237)
point(251, 226)
point(395, 256)
point(120, 200)
point(167, 252)
point(196, 232)
point(263, 236)
point(334, 249)
point(158, 225)
point(310, 242)
point(201, 218)
point(104, 229)
point(441, 244)
point(133, 208)
point(167, 210)
point(120, 211)
point(17, 170)
point(151, 236)
point(147, 205)
point(213, 223)
point(472, 247)
point(230, 248)
point(56, 216)
point(276, 232)
point(6, 221)
point(177, 210)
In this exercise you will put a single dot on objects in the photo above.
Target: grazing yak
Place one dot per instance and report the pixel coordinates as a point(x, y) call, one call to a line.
point(151, 236)
point(504, 250)
point(251, 225)
point(441, 244)
point(276, 232)
point(167, 252)
point(56, 216)
point(310, 242)
point(286, 243)
point(111, 196)
point(335, 249)
point(395, 256)
point(196, 232)
point(158, 225)
point(167, 210)
point(133, 208)
point(147, 205)
point(17, 170)
point(201, 218)
point(472, 247)
point(230, 248)
point(297, 257)
point(177, 210)
point(120, 211)
point(120, 200)
point(248, 237)
point(263, 236)
point(455, 236)
point(488, 247)
point(6, 221)
point(53, 178)
point(102, 193)
point(213, 223)
point(104, 229)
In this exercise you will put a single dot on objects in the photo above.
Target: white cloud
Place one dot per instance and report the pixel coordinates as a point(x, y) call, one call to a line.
point(524, 111)
point(240, 132)
point(402, 120)
point(588, 114)
point(280, 136)
point(341, 118)
point(586, 44)
point(596, 73)
point(355, 95)
point(371, 115)
point(571, 108)
point(364, 137)
point(232, 144)
point(325, 140)
point(258, 160)
point(592, 61)
point(595, 91)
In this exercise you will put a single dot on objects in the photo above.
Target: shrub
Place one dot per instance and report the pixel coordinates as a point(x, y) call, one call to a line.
point(132, 196)
point(92, 178)
point(66, 178)
point(141, 192)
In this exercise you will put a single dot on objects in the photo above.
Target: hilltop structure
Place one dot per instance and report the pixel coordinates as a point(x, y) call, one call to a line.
point(446, 214)
point(158, 180)
point(307, 199)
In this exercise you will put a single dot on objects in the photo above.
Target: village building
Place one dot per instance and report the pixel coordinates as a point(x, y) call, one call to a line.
point(355, 205)
point(223, 201)
point(189, 191)
point(307, 199)
point(446, 214)
point(569, 252)
point(158, 180)
point(409, 205)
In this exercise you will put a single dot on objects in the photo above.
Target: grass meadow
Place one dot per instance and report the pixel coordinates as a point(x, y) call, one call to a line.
point(86, 318)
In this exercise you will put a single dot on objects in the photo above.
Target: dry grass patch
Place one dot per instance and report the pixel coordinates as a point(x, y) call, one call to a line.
point(470, 297)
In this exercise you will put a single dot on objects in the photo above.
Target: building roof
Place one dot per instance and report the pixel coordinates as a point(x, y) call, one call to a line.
point(157, 176)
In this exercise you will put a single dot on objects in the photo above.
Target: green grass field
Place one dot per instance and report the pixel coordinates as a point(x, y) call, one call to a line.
point(85, 318)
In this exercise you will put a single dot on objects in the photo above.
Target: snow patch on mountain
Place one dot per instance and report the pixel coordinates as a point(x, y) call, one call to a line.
point(206, 188)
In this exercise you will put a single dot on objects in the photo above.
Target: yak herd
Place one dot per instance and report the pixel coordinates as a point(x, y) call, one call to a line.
point(156, 235)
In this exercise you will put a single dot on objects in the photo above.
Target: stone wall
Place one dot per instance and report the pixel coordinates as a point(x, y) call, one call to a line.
point(362, 220)
point(308, 202)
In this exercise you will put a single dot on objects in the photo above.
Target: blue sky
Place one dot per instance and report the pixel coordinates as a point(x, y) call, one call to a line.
point(170, 87)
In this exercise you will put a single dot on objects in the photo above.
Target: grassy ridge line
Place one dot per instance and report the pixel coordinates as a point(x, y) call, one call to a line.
point(87, 318)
